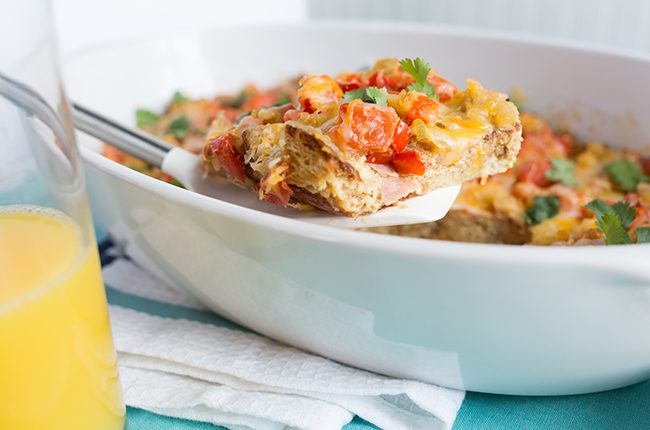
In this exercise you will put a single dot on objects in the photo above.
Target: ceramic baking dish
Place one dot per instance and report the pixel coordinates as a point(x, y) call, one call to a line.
point(493, 318)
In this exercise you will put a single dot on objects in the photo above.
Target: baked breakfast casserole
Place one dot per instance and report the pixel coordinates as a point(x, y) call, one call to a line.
point(361, 141)
point(558, 192)
point(358, 141)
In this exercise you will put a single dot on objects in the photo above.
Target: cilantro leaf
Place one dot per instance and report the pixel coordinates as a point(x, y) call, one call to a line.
point(419, 70)
point(613, 220)
point(427, 89)
point(624, 212)
point(238, 100)
point(625, 174)
point(369, 95)
point(543, 207)
point(598, 207)
point(179, 97)
point(145, 118)
point(378, 95)
point(359, 93)
point(179, 127)
point(562, 171)
point(615, 233)
point(642, 235)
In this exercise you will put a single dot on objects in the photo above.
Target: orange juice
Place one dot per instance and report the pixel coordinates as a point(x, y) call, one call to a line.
point(57, 362)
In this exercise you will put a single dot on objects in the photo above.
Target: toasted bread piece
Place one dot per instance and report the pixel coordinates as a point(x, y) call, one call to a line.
point(322, 176)
point(462, 225)
point(297, 157)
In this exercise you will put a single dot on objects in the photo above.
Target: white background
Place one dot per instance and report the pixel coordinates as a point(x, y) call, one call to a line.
point(85, 22)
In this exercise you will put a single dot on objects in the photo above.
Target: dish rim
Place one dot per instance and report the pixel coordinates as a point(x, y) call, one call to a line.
point(557, 256)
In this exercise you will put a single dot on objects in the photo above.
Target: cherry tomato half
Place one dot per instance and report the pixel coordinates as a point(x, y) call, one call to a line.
point(366, 126)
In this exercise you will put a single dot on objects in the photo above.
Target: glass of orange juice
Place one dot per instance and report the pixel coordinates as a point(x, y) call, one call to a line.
point(57, 361)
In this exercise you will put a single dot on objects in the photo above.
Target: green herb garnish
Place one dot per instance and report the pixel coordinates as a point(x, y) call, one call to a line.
point(242, 116)
point(642, 235)
point(238, 100)
point(179, 97)
point(179, 127)
point(625, 174)
point(419, 69)
point(374, 95)
point(613, 220)
point(615, 233)
point(282, 100)
point(543, 207)
point(175, 182)
point(146, 118)
point(562, 171)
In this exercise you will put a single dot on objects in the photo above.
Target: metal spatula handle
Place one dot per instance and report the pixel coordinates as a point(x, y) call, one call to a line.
point(134, 142)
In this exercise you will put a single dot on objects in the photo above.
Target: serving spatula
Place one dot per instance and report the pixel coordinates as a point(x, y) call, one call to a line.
point(184, 166)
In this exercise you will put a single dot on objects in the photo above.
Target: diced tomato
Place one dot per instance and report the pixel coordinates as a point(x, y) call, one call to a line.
point(307, 105)
point(377, 80)
point(380, 157)
point(400, 141)
point(399, 80)
point(213, 109)
point(526, 192)
point(566, 143)
point(535, 172)
point(408, 163)
point(260, 100)
point(316, 92)
point(231, 161)
point(444, 89)
point(114, 154)
point(544, 144)
point(642, 218)
point(423, 108)
point(394, 81)
point(366, 126)
point(349, 81)
point(167, 178)
point(645, 164)
point(402, 137)
point(231, 114)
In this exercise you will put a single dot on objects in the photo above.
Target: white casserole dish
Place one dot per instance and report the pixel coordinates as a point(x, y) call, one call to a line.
point(493, 318)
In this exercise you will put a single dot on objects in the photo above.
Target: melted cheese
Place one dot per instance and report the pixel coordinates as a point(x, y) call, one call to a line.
point(262, 156)
point(469, 115)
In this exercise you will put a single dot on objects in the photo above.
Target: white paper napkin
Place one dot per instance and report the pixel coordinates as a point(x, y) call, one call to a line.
point(194, 370)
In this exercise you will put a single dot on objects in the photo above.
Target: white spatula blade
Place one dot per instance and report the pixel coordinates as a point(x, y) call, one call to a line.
point(184, 166)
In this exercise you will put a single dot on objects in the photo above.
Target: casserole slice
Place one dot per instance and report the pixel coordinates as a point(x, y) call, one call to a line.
point(361, 141)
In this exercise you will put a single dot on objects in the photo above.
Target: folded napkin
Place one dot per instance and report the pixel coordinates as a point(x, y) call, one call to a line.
point(228, 376)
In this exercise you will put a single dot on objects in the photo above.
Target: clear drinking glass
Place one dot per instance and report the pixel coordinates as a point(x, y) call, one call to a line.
point(57, 361)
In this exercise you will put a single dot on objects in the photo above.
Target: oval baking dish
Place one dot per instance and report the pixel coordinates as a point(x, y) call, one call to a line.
point(492, 318)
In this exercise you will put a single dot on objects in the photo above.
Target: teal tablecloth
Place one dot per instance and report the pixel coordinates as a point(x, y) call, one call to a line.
point(625, 408)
